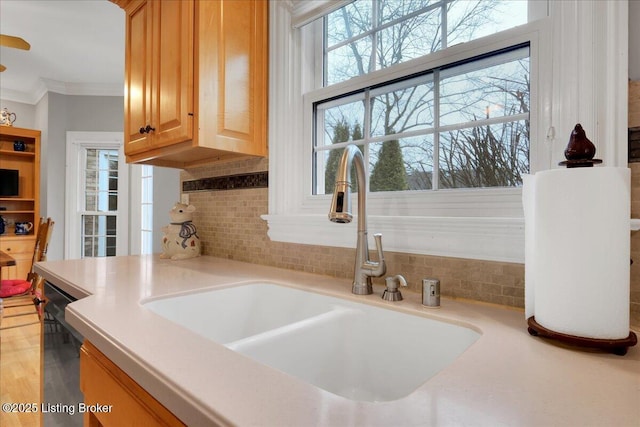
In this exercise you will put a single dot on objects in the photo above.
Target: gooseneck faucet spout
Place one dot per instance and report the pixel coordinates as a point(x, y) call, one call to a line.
point(340, 212)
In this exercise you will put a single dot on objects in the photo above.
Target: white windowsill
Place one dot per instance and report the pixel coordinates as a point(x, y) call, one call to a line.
point(494, 239)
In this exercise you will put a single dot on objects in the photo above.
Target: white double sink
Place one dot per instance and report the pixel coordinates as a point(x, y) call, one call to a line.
point(358, 351)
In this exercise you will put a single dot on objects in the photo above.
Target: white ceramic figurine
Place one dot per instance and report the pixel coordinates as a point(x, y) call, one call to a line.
point(180, 239)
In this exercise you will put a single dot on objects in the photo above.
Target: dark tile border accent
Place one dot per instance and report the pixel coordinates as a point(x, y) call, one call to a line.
point(227, 182)
point(634, 145)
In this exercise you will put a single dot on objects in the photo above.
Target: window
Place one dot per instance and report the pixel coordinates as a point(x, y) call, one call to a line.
point(576, 61)
point(457, 125)
point(99, 216)
point(96, 198)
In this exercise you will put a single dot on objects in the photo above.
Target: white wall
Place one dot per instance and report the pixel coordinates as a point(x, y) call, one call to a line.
point(70, 113)
point(25, 113)
point(166, 192)
point(54, 115)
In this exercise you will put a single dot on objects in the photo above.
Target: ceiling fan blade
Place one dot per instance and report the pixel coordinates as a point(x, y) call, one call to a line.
point(2, 68)
point(15, 42)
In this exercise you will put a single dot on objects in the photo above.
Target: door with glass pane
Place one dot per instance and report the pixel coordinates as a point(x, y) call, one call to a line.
point(97, 205)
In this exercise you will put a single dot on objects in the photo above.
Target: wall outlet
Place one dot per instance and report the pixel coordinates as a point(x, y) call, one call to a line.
point(184, 199)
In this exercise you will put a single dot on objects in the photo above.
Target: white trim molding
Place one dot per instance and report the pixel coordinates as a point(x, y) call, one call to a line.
point(582, 60)
point(494, 239)
point(590, 75)
point(64, 88)
point(304, 12)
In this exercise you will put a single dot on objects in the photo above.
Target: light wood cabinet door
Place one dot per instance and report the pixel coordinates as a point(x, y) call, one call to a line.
point(138, 62)
point(159, 74)
point(232, 75)
point(21, 250)
point(172, 72)
point(117, 398)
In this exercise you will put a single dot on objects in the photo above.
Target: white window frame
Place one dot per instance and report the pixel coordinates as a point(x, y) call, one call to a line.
point(77, 142)
point(579, 57)
point(137, 225)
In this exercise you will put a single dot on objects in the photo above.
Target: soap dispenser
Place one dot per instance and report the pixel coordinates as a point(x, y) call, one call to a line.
point(392, 293)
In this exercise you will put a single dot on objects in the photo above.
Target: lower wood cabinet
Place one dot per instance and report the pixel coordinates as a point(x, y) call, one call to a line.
point(21, 250)
point(114, 398)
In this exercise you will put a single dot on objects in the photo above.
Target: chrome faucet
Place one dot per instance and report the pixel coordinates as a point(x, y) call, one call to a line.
point(340, 212)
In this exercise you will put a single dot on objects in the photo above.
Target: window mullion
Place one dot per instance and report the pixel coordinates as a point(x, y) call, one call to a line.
point(485, 122)
point(444, 27)
point(325, 53)
point(435, 181)
point(373, 63)
point(367, 133)
point(319, 164)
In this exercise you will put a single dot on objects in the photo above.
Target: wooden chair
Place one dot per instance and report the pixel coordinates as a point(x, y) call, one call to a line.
point(20, 293)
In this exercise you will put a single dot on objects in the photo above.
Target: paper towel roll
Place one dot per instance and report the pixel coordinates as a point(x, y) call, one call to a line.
point(577, 251)
point(528, 195)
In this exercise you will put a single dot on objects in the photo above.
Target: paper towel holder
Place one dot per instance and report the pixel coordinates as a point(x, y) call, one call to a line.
point(580, 150)
point(615, 346)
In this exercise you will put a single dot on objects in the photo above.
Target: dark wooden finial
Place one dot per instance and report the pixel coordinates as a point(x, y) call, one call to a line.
point(580, 151)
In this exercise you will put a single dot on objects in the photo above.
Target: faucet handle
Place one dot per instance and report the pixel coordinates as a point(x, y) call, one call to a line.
point(382, 266)
point(392, 293)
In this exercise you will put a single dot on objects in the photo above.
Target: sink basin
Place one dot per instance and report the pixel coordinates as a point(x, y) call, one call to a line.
point(355, 350)
point(233, 313)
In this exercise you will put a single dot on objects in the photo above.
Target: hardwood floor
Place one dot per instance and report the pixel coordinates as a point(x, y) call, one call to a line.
point(21, 369)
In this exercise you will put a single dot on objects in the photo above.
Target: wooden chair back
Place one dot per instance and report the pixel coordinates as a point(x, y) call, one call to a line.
point(34, 295)
point(45, 229)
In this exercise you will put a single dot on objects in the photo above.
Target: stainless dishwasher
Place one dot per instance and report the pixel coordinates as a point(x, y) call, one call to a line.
point(58, 300)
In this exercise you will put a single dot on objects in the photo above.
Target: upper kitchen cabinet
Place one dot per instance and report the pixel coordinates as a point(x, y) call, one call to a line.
point(158, 76)
point(195, 81)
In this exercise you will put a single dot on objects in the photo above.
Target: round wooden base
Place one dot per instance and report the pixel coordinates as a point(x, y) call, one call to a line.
point(615, 346)
point(582, 163)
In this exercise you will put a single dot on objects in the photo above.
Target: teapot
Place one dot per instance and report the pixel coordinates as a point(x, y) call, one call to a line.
point(23, 228)
point(7, 118)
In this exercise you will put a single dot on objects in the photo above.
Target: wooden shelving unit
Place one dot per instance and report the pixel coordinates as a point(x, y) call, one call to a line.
point(21, 361)
point(26, 206)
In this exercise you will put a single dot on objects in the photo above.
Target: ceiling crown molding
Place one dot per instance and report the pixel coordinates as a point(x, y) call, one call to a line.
point(64, 88)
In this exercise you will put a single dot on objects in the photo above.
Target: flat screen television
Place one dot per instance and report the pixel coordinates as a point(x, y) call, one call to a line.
point(9, 183)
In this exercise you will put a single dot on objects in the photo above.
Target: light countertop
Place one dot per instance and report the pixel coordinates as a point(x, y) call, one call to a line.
point(506, 378)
